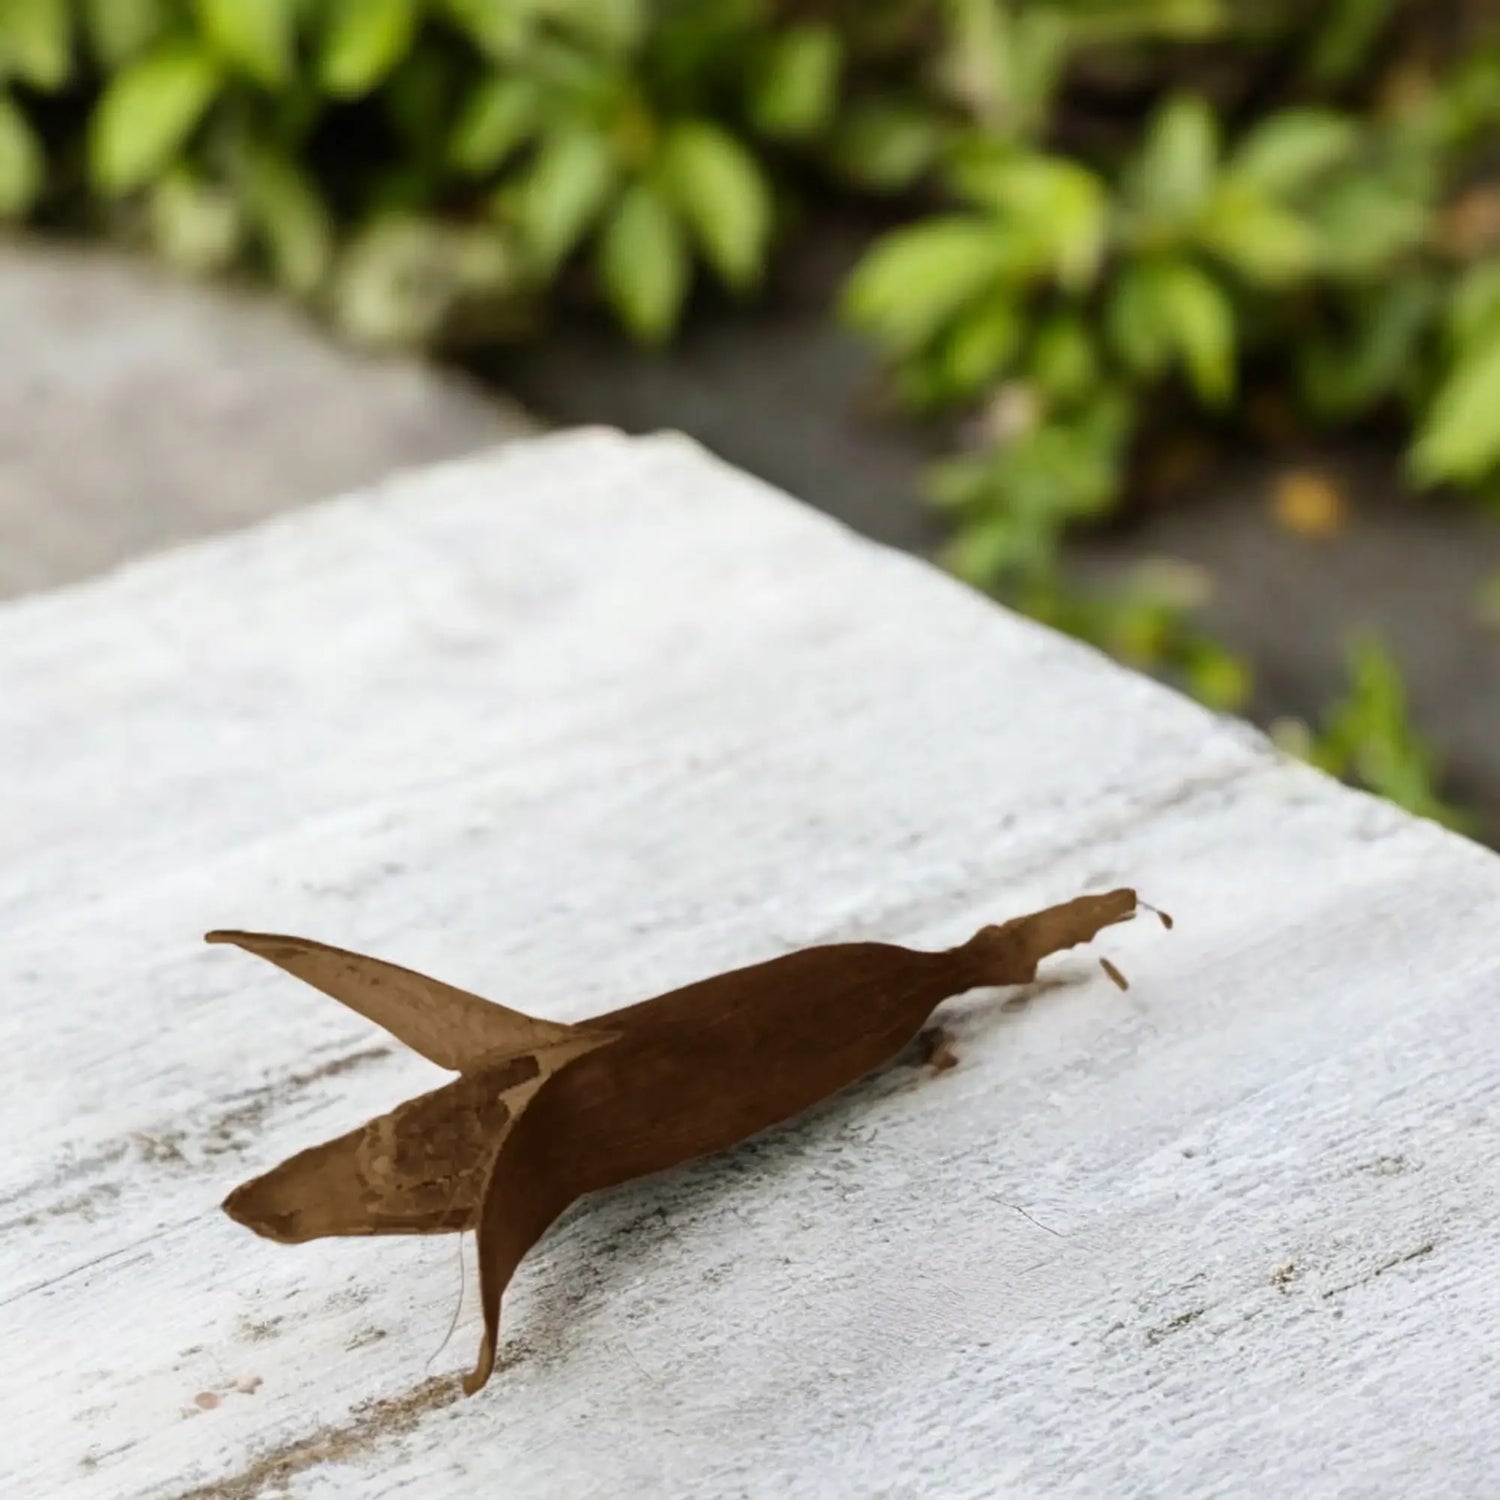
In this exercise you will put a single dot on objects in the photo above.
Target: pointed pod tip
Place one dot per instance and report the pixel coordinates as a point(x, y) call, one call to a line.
point(477, 1378)
point(1165, 918)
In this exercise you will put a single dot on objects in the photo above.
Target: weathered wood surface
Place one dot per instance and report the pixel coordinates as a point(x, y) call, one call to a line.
point(586, 718)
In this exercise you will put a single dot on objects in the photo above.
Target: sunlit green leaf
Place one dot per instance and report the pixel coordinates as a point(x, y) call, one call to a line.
point(362, 41)
point(976, 64)
point(913, 280)
point(499, 28)
point(195, 225)
point(1459, 437)
point(118, 29)
point(1255, 235)
point(1473, 314)
point(291, 218)
point(1063, 361)
point(1201, 321)
point(1133, 320)
point(21, 162)
point(500, 115)
point(882, 144)
point(1293, 148)
point(564, 192)
point(254, 36)
point(36, 41)
point(982, 344)
point(1174, 170)
point(721, 193)
point(1363, 224)
point(1215, 675)
point(1060, 205)
point(1041, 42)
point(644, 264)
point(393, 284)
point(1169, 309)
point(613, 25)
point(1369, 736)
point(147, 113)
point(795, 87)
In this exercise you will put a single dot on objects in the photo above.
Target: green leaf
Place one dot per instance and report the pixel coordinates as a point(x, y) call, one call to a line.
point(1474, 307)
point(147, 113)
point(36, 41)
point(883, 145)
point(1293, 148)
point(795, 89)
point(1216, 676)
point(362, 41)
point(195, 225)
point(500, 29)
point(721, 193)
point(915, 279)
point(1060, 206)
point(1345, 34)
point(1042, 42)
point(293, 222)
point(393, 284)
point(1063, 362)
point(1096, 21)
point(613, 26)
point(644, 264)
point(564, 192)
point(254, 36)
point(1387, 324)
point(976, 63)
point(981, 345)
point(120, 29)
point(1172, 175)
point(1167, 309)
point(500, 115)
point(22, 165)
point(1369, 735)
point(1134, 324)
point(1459, 438)
point(1365, 223)
point(1201, 321)
point(1256, 236)
point(1014, 501)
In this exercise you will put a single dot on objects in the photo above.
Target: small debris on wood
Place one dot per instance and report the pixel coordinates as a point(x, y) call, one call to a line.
point(937, 1051)
point(1176, 1325)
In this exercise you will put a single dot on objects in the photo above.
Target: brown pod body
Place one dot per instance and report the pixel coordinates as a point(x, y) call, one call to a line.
point(543, 1114)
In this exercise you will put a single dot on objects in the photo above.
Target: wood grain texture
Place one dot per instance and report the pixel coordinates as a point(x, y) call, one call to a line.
point(583, 721)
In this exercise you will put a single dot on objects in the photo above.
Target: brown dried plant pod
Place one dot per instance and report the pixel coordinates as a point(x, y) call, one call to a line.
point(543, 1113)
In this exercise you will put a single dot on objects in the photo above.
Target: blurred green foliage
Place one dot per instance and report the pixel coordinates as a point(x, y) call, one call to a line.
point(1367, 737)
point(1114, 215)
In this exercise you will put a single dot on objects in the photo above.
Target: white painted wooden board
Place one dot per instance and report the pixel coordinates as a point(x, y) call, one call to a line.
point(586, 718)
